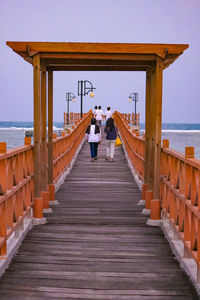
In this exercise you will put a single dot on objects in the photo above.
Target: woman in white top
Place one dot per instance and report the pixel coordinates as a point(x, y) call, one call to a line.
point(93, 136)
point(108, 113)
point(99, 115)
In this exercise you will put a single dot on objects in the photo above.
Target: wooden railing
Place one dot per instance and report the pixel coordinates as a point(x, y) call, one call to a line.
point(65, 146)
point(16, 186)
point(71, 118)
point(180, 195)
point(179, 186)
point(16, 177)
point(131, 119)
point(134, 144)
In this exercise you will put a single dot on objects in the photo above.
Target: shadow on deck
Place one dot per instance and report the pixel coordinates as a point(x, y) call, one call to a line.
point(96, 244)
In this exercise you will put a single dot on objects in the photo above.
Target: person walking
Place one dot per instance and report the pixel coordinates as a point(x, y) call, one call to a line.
point(111, 136)
point(99, 115)
point(93, 136)
point(108, 113)
point(94, 111)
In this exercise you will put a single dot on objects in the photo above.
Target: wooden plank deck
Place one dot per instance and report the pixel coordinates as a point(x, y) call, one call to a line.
point(96, 244)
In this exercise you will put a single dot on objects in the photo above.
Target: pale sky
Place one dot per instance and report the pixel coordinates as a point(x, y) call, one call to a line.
point(122, 21)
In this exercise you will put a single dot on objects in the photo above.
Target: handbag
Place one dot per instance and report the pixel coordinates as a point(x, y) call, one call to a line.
point(118, 142)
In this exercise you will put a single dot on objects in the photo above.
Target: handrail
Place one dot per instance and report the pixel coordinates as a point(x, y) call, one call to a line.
point(16, 177)
point(133, 143)
point(179, 185)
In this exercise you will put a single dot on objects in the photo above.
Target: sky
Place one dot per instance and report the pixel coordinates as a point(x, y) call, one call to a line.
point(120, 21)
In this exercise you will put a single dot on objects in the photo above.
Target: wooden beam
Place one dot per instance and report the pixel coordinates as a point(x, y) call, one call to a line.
point(43, 130)
point(97, 68)
point(158, 49)
point(95, 62)
point(50, 127)
point(37, 128)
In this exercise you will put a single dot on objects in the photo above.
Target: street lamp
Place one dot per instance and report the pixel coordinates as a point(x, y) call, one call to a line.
point(133, 97)
point(69, 97)
point(84, 89)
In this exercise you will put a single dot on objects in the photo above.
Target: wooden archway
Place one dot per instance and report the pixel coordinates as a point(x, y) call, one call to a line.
point(48, 57)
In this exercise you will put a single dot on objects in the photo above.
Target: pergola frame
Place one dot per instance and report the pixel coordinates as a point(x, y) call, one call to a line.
point(48, 57)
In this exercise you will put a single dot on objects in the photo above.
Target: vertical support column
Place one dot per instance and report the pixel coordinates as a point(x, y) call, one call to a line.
point(50, 136)
point(37, 128)
point(43, 130)
point(153, 127)
point(38, 200)
point(50, 127)
point(157, 116)
point(147, 128)
point(82, 98)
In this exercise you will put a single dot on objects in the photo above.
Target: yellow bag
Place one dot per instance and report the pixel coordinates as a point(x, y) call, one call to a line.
point(118, 142)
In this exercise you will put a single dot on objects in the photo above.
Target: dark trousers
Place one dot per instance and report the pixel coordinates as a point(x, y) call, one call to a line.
point(93, 149)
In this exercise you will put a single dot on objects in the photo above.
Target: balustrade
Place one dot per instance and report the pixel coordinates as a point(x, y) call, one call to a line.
point(17, 175)
point(179, 187)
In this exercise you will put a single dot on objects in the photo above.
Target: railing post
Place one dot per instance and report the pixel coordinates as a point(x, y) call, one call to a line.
point(3, 169)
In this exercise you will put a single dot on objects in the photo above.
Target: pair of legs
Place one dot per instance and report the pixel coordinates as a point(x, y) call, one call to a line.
point(99, 123)
point(110, 149)
point(93, 149)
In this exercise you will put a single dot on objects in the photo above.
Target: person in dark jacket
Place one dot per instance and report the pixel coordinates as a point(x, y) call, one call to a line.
point(111, 135)
point(93, 136)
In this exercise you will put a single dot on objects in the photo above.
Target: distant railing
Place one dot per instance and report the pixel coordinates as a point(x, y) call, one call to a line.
point(71, 118)
point(134, 144)
point(16, 176)
point(179, 186)
point(131, 119)
point(65, 146)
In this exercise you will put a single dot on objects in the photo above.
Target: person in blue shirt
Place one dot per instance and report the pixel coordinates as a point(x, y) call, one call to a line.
point(111, 135)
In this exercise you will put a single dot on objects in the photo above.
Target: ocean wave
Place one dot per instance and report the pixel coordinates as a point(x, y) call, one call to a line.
point(181, 130)
point(26, 128)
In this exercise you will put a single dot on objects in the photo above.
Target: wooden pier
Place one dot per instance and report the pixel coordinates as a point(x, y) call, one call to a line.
point(96, 244)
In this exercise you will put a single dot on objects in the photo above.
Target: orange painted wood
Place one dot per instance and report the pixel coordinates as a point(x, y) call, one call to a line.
point(147, 129)
point(148, 198)
point(144, 189)
point(43, 164)
point(38, 208)
point(155, 209)
point(37, 127)
point(45, 196)
point(159, 49)
point(50, 127)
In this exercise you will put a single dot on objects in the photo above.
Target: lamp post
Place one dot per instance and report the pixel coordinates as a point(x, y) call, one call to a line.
point(69, 97)
point(133, 97)
point(84, 89)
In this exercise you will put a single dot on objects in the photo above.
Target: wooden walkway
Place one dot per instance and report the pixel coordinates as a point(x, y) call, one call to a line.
point(96, 244)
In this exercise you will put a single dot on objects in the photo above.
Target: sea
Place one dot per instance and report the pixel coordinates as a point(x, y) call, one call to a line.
point(179, 135)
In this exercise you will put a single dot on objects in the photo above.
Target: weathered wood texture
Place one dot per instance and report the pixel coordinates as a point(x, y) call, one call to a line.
point(98, 56)
point(96, 244)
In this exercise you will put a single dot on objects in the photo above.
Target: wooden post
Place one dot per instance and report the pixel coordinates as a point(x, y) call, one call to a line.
point(50, 127)
point(147, 128)
point(43, 130)
point(157, 116)
point(37, 129)
point(153, 127)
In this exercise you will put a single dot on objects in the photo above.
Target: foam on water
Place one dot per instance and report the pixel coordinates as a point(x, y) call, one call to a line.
point(179, 135)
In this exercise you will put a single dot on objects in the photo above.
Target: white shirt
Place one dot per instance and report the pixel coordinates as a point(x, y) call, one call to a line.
point(108, 114)
point(99, 114)
point(92, 137)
